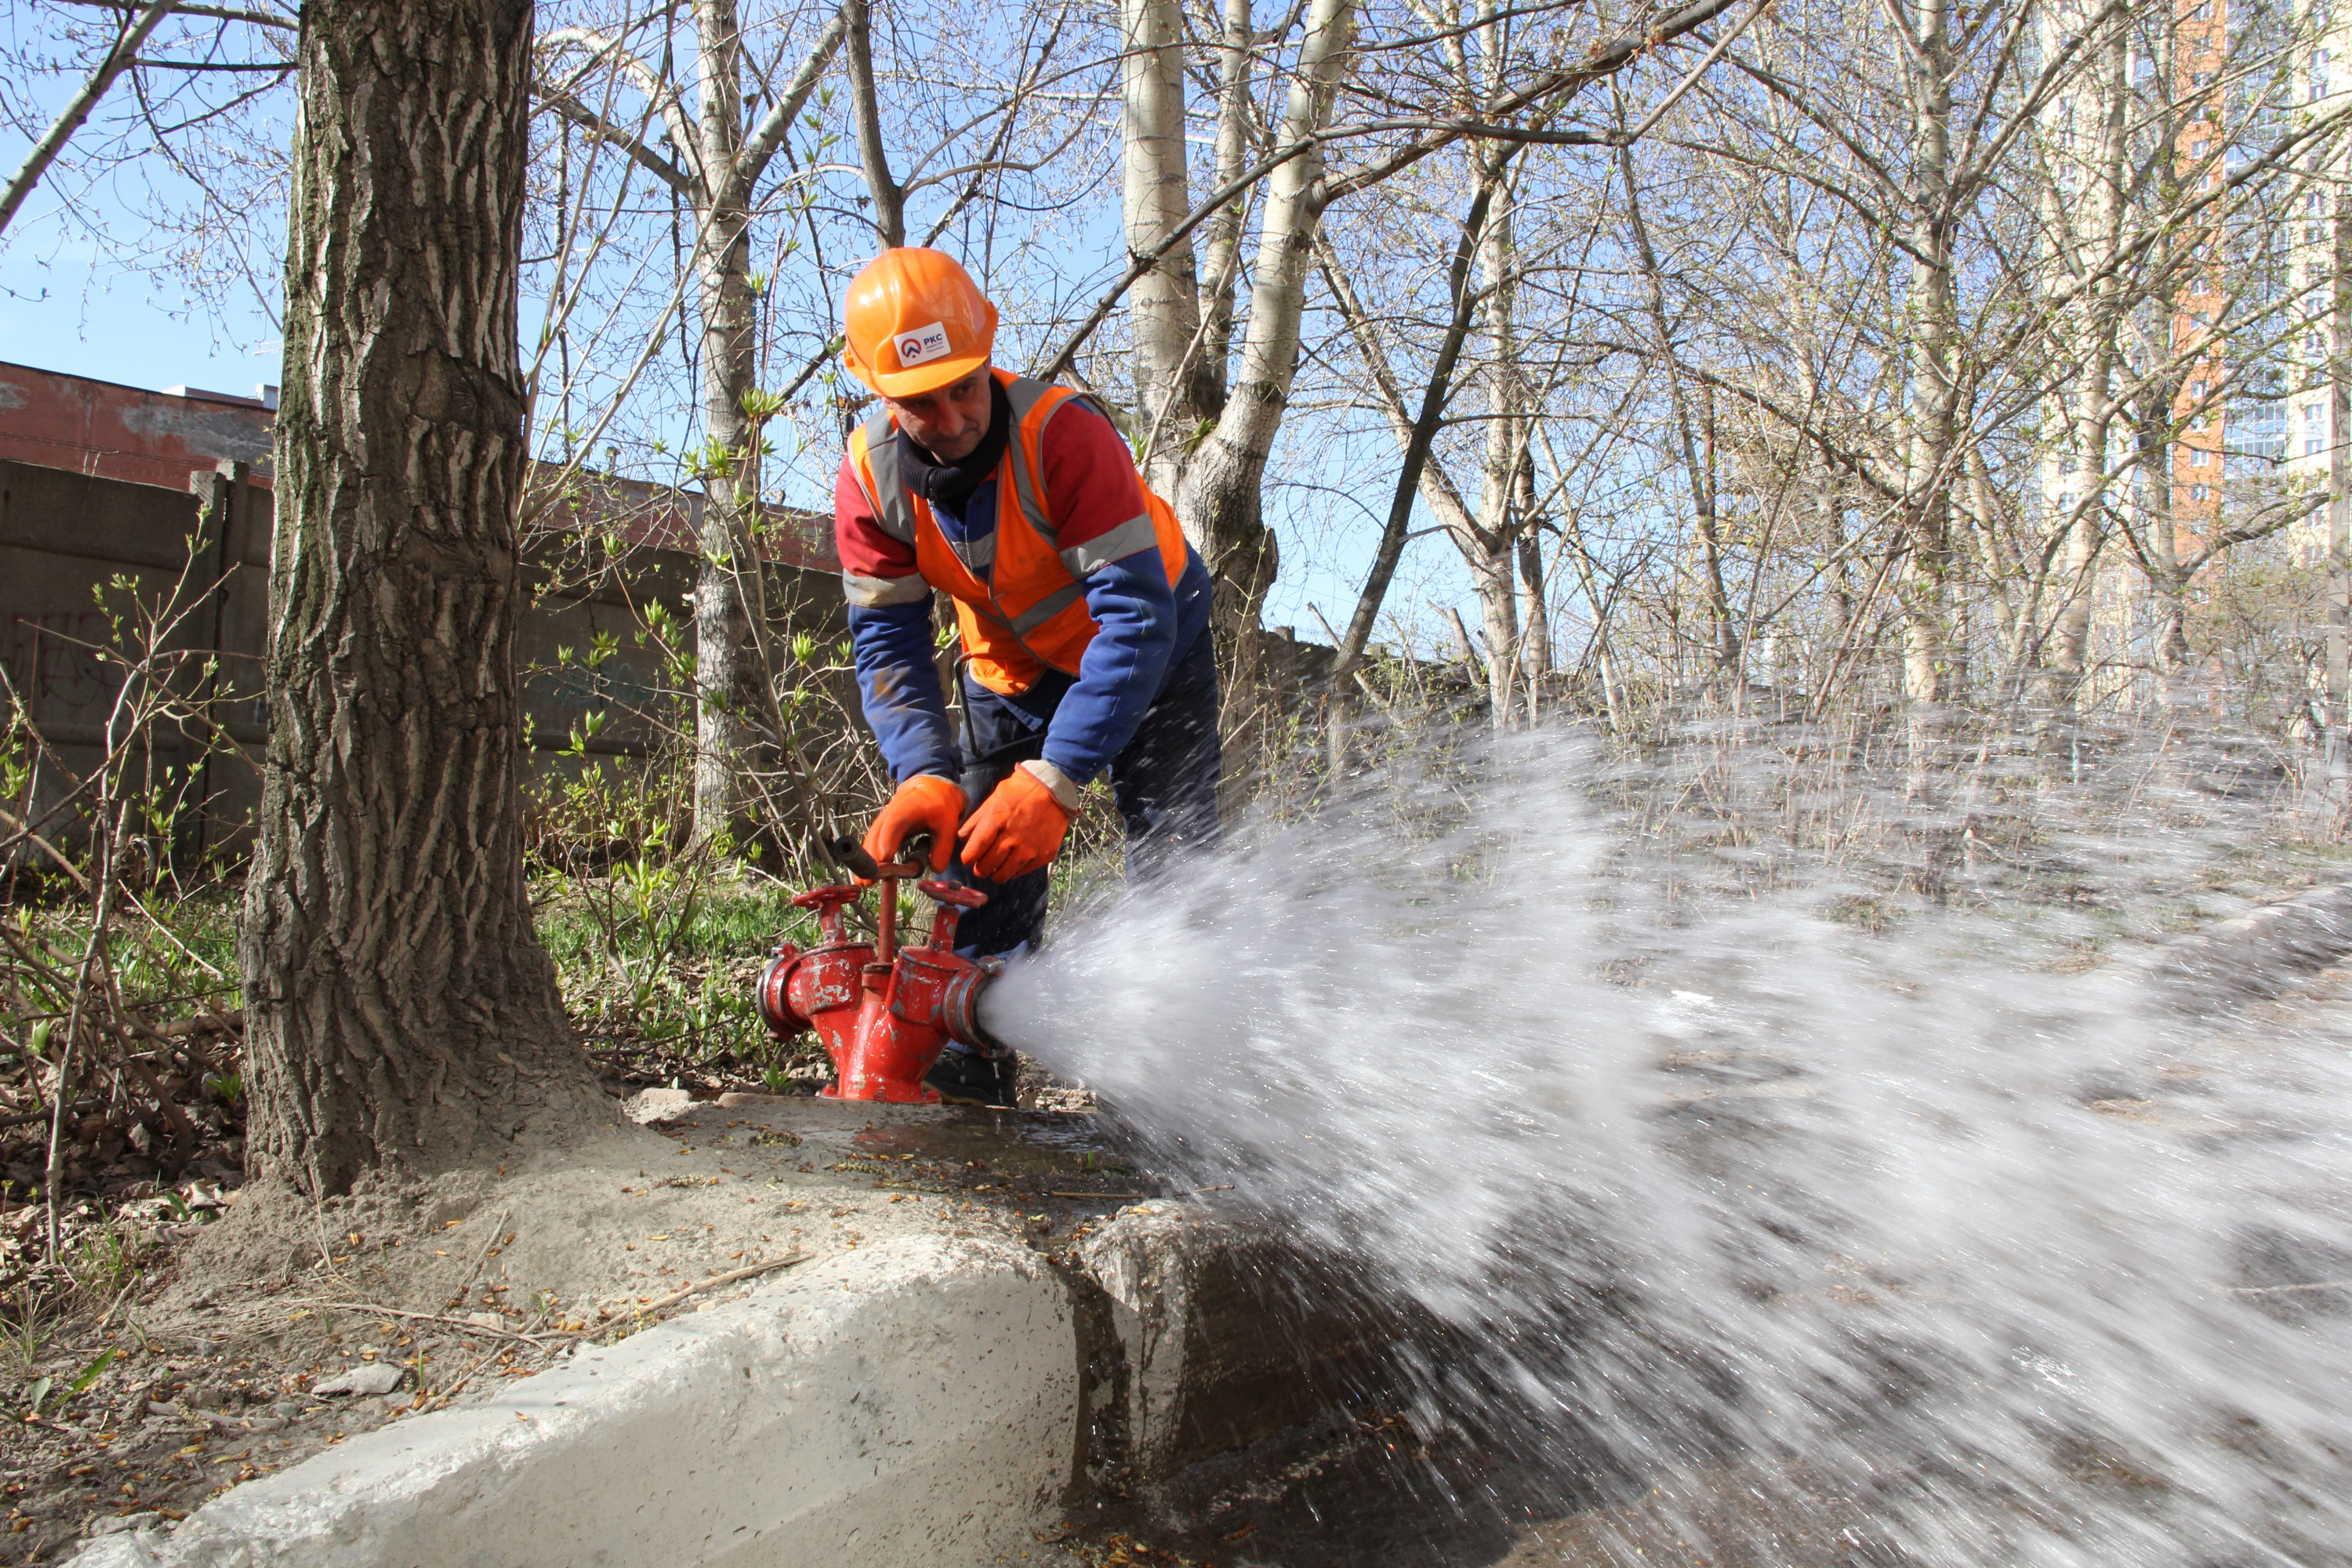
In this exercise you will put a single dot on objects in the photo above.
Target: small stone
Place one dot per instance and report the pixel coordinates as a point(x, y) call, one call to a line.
point(374, 1378)
point(115, 1523)
point(287, 1409)
point(652, 1107)
point(486, 1320)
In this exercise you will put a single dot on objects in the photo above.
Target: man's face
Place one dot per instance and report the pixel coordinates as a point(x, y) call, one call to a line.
point(950, 421)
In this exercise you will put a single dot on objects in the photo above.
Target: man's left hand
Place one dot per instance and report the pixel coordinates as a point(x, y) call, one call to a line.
point(1021, 825)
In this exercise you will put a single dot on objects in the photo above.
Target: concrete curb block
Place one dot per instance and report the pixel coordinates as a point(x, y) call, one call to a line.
point(1204, 1336)
point(912, 1402)
point(2256, 954)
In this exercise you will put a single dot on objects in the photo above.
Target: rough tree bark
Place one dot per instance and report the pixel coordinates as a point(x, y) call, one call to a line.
point(402, 1014)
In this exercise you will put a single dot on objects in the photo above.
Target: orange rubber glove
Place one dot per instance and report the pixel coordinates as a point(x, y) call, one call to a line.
point(1021, 825)
point(926, 803)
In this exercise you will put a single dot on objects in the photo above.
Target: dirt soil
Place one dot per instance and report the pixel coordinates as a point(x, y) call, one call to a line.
point(217, 1360)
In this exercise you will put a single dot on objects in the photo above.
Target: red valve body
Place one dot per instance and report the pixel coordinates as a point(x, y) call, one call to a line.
point(883, 1019)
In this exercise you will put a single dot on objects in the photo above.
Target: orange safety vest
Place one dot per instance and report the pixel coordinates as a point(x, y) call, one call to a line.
point(1029, 615)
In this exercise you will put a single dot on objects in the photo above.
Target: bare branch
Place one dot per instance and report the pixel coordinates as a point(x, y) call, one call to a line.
point(77, 110)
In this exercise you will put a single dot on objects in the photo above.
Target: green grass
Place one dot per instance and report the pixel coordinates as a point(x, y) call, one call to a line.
point(728, 922)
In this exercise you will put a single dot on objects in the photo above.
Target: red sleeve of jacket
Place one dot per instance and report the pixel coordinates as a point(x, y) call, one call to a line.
point(865, 550)
point(1091, 484)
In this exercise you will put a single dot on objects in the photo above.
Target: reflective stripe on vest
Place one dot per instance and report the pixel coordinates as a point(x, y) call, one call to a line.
point(998, 627)
point(894, 510)
point(879, 593)
point(893, 507)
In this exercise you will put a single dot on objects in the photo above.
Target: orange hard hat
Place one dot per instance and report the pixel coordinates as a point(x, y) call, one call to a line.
point(916, 322)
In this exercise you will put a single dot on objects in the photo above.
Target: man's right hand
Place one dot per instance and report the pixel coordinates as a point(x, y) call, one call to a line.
point(924, 803)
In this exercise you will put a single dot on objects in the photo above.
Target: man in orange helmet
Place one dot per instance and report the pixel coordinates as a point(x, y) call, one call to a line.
point(1084, 616)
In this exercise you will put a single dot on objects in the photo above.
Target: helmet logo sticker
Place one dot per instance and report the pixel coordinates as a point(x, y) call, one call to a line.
point(922, 345)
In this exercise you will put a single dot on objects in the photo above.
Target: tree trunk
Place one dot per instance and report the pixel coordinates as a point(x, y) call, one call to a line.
point(1493, 564)
point(2166, 581)
point(1170, 392)
point(1931, 407)
point(1221, 249)
point(732, 697)
point(2093, 415)
point(1535, 607)
point(402, 1014)
point(1220, 501)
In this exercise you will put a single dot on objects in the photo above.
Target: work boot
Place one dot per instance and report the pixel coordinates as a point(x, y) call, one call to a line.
point(967, 1078)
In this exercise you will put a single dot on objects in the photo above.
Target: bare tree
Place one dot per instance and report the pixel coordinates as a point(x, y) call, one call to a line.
point(716, 157)
point(402, 1014)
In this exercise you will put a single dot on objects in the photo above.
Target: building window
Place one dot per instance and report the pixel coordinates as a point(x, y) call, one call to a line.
point(2318, 74)
point(2197, 148)
point(2197, 389)
point(2311, 445)
point(2314, 202)
point(2199, 492)
point(2311, 345)
point(2199, 457)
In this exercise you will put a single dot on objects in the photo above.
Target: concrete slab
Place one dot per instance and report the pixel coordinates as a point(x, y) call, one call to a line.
point(952, 1369)
point(912, 1402)
point(1206, 1335)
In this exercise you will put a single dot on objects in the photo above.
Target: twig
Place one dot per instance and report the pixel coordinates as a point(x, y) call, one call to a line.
point(675, 1297)
point(446, 1394)
point(483, 1255)
point(77, 1108)
point(119, 1297)
point(369, 1308)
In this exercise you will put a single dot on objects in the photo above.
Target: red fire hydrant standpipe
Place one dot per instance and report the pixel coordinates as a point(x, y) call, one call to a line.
point(882, 1012)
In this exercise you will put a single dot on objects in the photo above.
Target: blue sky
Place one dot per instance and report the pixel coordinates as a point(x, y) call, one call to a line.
point(59, 310)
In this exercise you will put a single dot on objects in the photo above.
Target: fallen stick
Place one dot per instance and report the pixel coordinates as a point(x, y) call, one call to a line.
point(368, 1308)
point(449, 1393)
point(675, 1297)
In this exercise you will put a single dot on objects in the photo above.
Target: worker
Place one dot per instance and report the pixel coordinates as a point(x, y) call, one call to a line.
point(1082, 610)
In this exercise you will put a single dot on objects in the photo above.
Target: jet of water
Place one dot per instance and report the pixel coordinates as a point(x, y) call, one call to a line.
point(1894, 1220)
